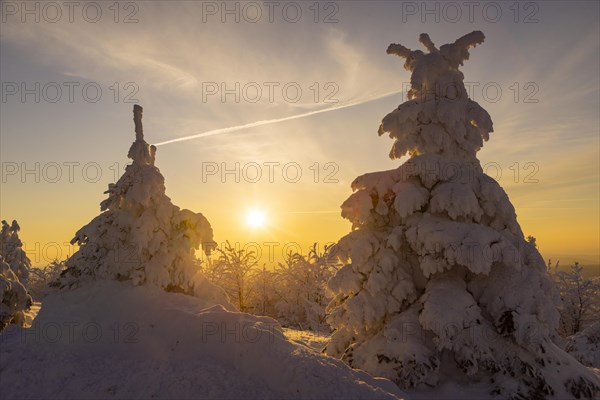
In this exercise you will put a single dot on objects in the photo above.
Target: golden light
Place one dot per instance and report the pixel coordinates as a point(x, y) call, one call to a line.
point(256, 218)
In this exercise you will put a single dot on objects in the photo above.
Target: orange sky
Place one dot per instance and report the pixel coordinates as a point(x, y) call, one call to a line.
point(547, 123)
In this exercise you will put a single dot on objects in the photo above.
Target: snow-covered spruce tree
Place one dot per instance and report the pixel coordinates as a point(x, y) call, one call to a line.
point(14, 299)
point(11, 249)
point(140, 235)
point(439, 283)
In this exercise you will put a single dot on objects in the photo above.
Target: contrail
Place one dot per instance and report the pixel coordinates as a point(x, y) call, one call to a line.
point(274, 121)
point(314, 212)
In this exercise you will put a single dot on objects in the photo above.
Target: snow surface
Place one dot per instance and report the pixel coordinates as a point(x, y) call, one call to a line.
point(31, 314)
point(313, 339)
point(585, 346)
point(114, 340)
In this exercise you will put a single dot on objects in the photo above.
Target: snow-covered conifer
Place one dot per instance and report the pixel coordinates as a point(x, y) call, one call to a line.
point(14, 299)
point(439, 282)
point(140, 235)
point(11, 249)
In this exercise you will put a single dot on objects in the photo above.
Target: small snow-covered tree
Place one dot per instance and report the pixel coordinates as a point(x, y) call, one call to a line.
point(302, 288)
point(265, 295)
point(14, 299)
point(43, 279)
point(439, 282)
point(290, 305)
point(233, 271)
point(580, 306)
point(321, 267)
point(11, 249)
point(140, 235)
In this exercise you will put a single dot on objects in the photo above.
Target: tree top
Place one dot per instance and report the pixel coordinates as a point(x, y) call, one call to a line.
point(454, 53)
point(137, 119)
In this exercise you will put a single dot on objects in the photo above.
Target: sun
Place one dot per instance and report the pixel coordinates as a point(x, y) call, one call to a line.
point(256, 218)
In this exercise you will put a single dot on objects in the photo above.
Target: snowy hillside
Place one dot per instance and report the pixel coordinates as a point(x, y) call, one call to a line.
point(112, 340)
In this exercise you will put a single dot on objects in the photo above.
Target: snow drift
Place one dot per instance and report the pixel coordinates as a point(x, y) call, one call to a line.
point(111, 340)
point(585, 346)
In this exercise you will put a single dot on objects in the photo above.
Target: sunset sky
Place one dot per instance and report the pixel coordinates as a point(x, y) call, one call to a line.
point(544, 57)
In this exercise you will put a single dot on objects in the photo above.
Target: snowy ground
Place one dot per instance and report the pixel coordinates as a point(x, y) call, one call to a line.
point(171, 346)
point(445, 391)
point(449, 391)
point(32, 313)
point(112, 340)
point(313, 340)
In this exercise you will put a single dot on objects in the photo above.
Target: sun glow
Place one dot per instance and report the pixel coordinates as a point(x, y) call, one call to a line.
point(256, 218)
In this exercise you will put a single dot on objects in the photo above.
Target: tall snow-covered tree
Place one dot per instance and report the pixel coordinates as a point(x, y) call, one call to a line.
point(140, 235)
point(439, 282)
point(11, 249)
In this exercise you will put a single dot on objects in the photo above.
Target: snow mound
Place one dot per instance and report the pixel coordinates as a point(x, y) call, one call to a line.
point(111, 340)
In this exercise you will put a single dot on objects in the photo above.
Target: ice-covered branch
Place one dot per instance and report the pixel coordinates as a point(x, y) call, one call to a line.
point(426, 41)
point(399, 50)
point(470, 40)
point(457, 52)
